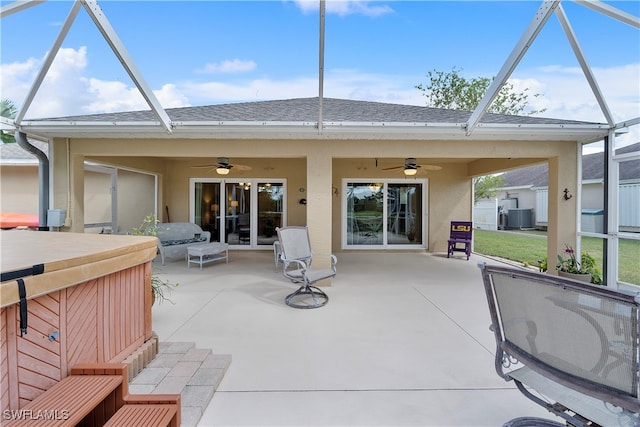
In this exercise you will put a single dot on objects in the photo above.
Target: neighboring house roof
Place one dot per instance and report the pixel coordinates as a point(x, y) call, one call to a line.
point(592, 169)
point(531, 176)
point(13, 154)
point(283, 118)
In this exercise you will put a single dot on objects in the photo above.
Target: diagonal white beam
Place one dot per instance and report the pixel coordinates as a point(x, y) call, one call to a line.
point(18, 6)
point(611, 11)
point(51, 55)
point(540, 18)
point(109, 34)
point(588, 73)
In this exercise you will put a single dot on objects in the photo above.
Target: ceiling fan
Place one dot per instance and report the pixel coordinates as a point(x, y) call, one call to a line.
point(223, 167)
point(411, 167)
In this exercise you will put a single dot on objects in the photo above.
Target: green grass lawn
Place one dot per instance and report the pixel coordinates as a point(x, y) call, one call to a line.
point(531, 247)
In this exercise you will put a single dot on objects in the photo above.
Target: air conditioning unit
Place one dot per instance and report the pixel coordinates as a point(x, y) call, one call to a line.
point(520, 218)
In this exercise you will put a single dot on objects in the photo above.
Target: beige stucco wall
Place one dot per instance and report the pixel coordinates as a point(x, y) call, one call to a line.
point(136, 198)
point(97, 198)
point(317, 166)
point(19, 189)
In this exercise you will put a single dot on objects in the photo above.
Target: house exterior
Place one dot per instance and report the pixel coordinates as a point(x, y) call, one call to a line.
point(527, 189)
point(104, 186)
point(334, 165)
point(19, 178)
point(343, 179)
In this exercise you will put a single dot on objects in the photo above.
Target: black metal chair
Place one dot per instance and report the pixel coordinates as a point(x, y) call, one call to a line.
point(296, 256)
point(570, 347)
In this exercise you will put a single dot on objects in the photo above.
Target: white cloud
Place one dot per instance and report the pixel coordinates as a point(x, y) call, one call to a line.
point(228, 66)
point(116, 96)
point(566, 93)
point(63, 89)
point(339, 83)
point(113, 96)
point(345, 7)
point(170, 96)
point(67, 90)
point(252, 90)
point(16, 79)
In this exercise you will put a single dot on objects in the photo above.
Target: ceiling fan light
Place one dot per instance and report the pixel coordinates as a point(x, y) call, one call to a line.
point(222, 170)
point(410, 171)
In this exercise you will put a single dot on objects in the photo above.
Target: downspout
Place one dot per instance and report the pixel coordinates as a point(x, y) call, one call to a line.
point(43, 178)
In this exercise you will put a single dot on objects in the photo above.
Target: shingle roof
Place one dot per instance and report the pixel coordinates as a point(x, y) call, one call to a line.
point(592, 169)
point(306, 110)
point(13, 153)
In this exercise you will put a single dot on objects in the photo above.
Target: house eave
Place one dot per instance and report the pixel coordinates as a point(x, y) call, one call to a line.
point(310, 130)
point(516, 187)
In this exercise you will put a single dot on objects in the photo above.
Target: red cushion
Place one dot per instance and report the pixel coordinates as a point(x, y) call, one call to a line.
point(16, 219)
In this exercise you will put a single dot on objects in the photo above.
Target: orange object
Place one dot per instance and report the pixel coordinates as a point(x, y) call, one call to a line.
point(16, 219)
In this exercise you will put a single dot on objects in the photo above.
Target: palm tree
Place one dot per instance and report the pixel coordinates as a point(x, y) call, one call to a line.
point(9, 110)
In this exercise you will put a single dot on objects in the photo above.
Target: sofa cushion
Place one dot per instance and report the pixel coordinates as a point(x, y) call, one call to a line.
point(183, 241)
point(178, 230)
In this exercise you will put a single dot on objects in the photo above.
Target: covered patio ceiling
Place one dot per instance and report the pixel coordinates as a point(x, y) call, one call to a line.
point(161, 125)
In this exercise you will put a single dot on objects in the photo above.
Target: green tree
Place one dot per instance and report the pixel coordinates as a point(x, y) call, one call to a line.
point(453, 91)
point(486, 186)
point(9, 110)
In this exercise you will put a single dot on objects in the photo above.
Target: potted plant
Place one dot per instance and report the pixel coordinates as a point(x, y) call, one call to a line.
point(159, 288)
point(584, 270)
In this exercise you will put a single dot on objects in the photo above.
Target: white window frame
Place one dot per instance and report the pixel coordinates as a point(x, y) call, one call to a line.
point(385, 245)
point(253, 204)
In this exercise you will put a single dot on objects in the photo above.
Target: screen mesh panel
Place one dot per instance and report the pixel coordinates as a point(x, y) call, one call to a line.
point(577, 332)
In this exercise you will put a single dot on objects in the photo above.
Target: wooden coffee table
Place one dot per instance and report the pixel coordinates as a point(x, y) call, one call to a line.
point(202, 254)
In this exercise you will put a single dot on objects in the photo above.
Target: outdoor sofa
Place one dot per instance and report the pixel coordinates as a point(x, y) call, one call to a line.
point(175, 237)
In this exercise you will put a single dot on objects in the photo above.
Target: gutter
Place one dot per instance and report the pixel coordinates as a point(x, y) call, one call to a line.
point(43, 178)
point(583, 132)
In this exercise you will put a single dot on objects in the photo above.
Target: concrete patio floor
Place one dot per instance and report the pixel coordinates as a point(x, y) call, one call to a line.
point(403, 341)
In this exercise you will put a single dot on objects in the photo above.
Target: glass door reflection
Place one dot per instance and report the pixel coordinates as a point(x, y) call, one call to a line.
point(238, 213)
point(270, 198)
point(365, 213)
point(207, 209)
point(404, 213)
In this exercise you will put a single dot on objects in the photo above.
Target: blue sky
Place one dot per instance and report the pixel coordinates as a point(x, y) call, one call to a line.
point(211, 52)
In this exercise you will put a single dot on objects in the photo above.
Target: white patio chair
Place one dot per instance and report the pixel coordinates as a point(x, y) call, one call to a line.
point(296, 258)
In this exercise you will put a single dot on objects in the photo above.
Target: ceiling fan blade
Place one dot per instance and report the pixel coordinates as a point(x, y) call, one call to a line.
point(393, 168)
point(242, 167)
point(431, 167)
point(204, 166)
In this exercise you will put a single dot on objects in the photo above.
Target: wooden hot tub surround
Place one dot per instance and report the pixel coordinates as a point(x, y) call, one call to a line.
point(90, 304)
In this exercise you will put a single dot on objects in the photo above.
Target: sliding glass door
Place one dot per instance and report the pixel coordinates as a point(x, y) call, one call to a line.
point(384, 214)
point(243, 214)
